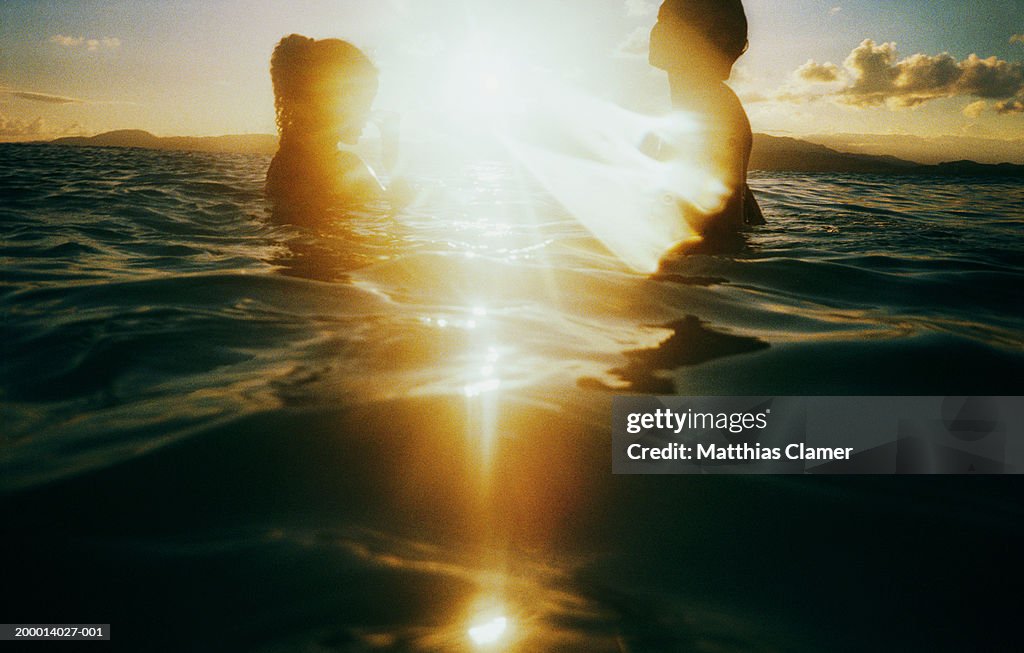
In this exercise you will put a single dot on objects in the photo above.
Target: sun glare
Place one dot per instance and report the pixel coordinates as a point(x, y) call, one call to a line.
point(490, 632)
point(481, 88)
point(633, 181)
point(491, 83)
point(485, 376)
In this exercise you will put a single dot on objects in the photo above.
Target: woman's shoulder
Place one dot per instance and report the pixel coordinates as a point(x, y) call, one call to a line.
point(731, 109)
point(343, 176)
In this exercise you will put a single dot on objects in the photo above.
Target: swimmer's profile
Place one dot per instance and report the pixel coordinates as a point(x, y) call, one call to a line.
point(697, 42)
point(323, 91)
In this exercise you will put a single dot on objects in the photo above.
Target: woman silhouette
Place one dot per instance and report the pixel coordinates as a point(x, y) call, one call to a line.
point(323, 91)
point(697, 42)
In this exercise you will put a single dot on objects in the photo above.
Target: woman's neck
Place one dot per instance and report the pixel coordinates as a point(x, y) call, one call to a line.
point(690, 90)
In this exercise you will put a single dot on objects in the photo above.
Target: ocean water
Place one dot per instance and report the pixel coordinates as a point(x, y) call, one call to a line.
point(221, 432)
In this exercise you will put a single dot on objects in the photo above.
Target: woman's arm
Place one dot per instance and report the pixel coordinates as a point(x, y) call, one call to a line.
point(361, 183)
point(358, 181)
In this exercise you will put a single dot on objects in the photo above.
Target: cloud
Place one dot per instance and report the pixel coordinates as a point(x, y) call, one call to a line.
point(741, 74)
point(42, 97)
point(755, 97)
point(36, 128)
point(990, 78)
point(1017, 38)
point(106, 42)
point(975, 109)
point(91, 44)
point(640, 8)
point(1013, 105)
point(20, 128)
point(75, 129)
point(636, 44)
point(67, 41)
point(49, 98)
point(873, 75)
point(834, 10)
point(818, 73)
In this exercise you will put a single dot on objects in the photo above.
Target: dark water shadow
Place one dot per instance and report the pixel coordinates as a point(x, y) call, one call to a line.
point(691, 343)
point(726, 243)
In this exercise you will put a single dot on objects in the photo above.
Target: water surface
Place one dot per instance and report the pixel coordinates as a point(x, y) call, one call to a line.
point(375, 435)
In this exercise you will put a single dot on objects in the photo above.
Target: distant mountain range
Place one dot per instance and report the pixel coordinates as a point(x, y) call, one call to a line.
point(930, 149)
point(771, 153)
point(238, 144)
point(790, 154)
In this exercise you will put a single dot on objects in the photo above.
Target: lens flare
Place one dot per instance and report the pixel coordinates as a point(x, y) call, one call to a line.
point(633, 181)
point(480, 88)
point(490, 632)
point(639, 184)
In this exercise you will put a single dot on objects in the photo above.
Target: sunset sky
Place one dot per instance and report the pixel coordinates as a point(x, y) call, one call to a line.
point(925, 68)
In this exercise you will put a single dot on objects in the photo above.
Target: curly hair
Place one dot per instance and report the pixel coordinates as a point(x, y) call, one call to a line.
point(318, 84)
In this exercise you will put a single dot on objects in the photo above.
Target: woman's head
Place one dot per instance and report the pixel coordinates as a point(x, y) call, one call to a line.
point(696, 34)
point(322, 89)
